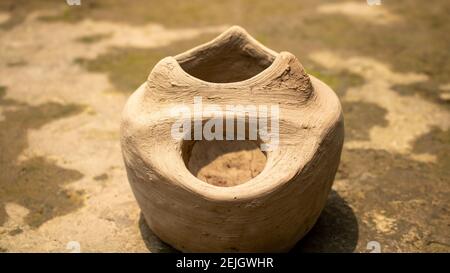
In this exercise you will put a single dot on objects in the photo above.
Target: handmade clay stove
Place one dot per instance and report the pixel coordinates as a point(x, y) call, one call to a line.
point(274, 209)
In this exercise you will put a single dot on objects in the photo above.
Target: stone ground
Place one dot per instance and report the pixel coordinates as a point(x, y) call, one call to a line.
point(66, 71)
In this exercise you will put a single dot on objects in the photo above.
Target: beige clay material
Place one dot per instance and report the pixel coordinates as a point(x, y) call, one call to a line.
point(226, 163)
point(274, 209)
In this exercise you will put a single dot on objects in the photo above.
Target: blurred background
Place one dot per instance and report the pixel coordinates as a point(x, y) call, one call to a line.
point(67, 70)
